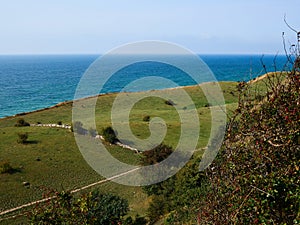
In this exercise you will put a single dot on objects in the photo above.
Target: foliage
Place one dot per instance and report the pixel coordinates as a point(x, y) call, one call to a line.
point(92, 132)
point(176, 199)
point(77, 127)
point(109, 135)
point(22, 138)
point(146, 118)
point(169, 102)
point(156, 154)
point(255, 178)
point(176, 196)
point(5, 167)
point(21, 123)
point(90, 208)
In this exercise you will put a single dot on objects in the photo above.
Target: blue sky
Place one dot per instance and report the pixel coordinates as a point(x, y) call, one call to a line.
point(96, 26)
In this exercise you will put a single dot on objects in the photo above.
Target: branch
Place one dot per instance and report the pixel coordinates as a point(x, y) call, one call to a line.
point(268, 194)
point(289, 25)
point(275, 145)
point(289, 58)
point(237, 211)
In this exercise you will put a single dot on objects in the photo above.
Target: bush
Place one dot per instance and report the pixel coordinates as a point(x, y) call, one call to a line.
point(21, 123)
point(255, 177)
point(92, 132)
point(59, 123)
point(5, 167)
point(178, 196)
point(156, 155)
point(90, 208)
point(77, 128)
point(22, 138)
point(109, 135)
point(169, 102)
point(146, 118)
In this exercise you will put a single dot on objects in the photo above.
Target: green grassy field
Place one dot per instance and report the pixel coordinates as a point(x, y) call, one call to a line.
point(51, 159)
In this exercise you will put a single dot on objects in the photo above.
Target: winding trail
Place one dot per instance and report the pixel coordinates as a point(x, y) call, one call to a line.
point(72, 191)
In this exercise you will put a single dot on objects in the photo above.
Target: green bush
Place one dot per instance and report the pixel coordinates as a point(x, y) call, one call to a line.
point(156, 155)
point(255, 177)
point(77, 127)
point(5, 167)
point(169, 102)
point(109, 135)
point(92, 208)
point(22, 138)
point(146, 118)
point(92, 132)
point(21, 123)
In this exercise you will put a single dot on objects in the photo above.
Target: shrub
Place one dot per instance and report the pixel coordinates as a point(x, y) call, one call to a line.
point(90, 208)
point(156, 154)
point(146, 118)
point(92, 132)
point(109, 135)
point(21, 123)
point(255, 177)
point(169, 102)
point(59, 123)
point(77, 128)
point(22, 138)
point(5, 167)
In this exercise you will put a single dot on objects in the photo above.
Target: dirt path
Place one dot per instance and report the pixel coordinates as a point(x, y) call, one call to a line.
point(72, 191)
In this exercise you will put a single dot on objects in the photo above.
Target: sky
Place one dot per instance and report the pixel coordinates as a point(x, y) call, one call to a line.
point(97, 26)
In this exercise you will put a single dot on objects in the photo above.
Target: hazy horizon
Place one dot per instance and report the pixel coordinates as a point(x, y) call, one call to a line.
point(95, 27)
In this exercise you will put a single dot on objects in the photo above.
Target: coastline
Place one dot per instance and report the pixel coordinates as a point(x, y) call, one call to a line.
point(64, 103)
point(261, 77)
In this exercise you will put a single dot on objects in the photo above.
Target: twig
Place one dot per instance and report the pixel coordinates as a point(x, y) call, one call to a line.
point(289, 25)
point(237, 212)
point(275, 145)
point(268, 194)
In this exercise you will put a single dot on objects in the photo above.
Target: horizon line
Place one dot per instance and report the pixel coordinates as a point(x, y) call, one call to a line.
point(101, 54)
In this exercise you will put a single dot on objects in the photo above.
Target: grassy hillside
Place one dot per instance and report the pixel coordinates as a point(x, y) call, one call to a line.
point(51, 159)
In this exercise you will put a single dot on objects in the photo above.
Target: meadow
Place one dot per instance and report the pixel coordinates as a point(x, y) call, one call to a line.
point(50, 160)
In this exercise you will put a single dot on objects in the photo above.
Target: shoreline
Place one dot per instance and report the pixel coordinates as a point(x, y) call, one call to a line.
point(67, 102)
point(89, 97)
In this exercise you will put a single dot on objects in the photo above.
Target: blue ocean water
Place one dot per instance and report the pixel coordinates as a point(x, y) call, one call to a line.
point(32, 82)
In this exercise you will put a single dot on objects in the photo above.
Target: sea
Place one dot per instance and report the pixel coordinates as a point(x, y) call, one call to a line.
point(32, 82)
